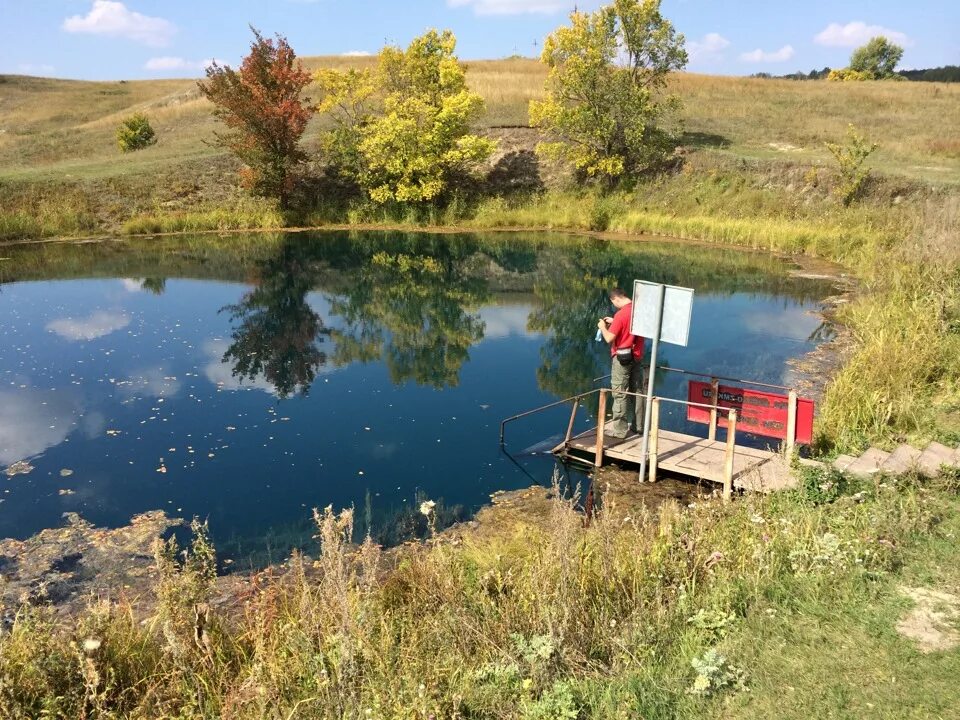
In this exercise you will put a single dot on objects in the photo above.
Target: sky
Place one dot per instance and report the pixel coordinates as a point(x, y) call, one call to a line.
point(132, 39)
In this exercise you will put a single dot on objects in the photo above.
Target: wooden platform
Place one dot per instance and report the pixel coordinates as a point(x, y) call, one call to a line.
point(693, 457)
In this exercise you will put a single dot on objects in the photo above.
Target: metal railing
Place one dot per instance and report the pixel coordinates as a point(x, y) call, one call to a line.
point(712, 377)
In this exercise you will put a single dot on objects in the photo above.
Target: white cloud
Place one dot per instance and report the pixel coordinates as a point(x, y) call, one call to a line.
point(857, 33)
point(513, 7)
point(96, 325)
point(36, 69)
point(708, 47)
point(357, 53)
point(173, 64)
point(758, 55)
point(114, 19)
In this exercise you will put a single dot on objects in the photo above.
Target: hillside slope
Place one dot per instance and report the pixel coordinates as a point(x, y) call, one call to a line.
point(56, 129)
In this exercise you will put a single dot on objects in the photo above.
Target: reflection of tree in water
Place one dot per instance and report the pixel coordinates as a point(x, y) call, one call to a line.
point(155, 285)
point(572, 286)
point(572, 294)
point(413, 311)
point(276, 333)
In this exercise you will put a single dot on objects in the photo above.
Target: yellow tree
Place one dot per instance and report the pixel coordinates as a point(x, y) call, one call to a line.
point(402, 131)
point(606, 109)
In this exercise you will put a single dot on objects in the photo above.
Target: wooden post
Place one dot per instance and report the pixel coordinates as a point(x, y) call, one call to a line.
point(654, 437)
point(601, 420)
point(573, 417)
point(791, 421)
point(728, 459)
point(714, 394)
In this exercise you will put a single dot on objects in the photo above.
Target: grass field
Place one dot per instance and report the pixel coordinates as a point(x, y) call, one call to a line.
point(56, 129)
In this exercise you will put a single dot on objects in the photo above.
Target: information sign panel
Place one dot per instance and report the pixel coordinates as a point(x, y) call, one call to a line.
point(677, 308)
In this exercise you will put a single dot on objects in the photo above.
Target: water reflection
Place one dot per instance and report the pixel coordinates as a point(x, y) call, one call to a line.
point(414, 312)
point(418, 303)
point(276, 334)
point(412, 347)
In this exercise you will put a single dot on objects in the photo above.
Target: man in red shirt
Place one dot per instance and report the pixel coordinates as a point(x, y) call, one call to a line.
point(627, 369)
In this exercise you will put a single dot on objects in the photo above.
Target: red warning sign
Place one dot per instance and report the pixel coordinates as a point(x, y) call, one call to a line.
point(758, 412)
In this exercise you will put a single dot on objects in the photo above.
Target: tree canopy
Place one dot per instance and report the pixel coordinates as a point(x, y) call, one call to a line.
point(606, 111)
point(879, 57)
point(402, 130)
point(261, 106)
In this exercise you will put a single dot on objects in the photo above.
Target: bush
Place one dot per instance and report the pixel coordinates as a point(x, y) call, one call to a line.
point(135, 133)
point(850, 158)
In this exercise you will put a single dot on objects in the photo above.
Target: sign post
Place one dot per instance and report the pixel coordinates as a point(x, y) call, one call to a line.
point(660, 312)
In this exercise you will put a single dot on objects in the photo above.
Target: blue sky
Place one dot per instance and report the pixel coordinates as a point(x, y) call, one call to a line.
point(112, 39)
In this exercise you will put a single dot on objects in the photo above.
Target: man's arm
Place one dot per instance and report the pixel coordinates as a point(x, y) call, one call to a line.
point(609, 333)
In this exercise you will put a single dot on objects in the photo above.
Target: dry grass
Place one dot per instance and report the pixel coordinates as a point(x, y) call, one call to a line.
point(540, 622)
point(48, 127)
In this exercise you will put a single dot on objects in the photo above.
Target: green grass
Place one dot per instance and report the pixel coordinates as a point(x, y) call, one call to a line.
point(797, 596)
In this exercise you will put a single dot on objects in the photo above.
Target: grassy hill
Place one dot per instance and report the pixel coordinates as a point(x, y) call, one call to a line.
point(63, 129)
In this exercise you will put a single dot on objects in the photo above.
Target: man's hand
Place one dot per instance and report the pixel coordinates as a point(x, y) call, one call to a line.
point(602, 324)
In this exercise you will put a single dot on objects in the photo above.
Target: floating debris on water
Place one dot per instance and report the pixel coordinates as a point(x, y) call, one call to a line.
point(66, 472)
point(20, 467)
point(66, 491)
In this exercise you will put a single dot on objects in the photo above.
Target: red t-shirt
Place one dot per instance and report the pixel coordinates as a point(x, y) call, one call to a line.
point(620, 327)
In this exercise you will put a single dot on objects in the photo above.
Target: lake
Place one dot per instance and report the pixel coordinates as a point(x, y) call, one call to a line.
point(246, 379)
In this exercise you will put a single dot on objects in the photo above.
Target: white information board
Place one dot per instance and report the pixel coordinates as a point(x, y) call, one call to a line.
point(677, 309)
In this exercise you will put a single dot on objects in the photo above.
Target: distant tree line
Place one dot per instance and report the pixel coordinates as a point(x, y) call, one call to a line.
point(946, 73)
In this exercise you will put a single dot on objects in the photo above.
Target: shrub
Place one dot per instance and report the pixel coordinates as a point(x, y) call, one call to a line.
point(135, 133)
point(850, 157)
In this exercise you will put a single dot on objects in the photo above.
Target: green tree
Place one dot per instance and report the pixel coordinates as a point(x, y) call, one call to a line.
point(135, 133)
point(402, 131)
point(261, 106)
point(879, 58)
point(607, 111)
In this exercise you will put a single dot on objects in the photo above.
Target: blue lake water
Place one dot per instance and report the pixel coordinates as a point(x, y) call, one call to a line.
point(248, 379)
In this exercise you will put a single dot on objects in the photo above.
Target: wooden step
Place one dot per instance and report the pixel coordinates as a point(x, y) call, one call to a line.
point(868, 463)
point(843, 462)
point(935, 455)
point(901, 460)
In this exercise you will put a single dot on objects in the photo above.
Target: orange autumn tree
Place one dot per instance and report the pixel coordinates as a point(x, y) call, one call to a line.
point(261, 106)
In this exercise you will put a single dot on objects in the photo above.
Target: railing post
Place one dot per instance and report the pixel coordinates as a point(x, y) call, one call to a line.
point(573, 417)
point(791, 421)
point(715, 397)
point(728, 458)
point(654, 437)
point(601, 420)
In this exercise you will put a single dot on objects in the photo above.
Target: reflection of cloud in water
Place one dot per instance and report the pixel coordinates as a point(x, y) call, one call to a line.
point(132, 284)
point(33, 420)
point(221, 373)
point(791, 323)
point(151, 382)
point(95, 325)
point(505, 320)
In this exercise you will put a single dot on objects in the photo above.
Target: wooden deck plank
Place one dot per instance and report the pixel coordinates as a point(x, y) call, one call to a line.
point(692, 456)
